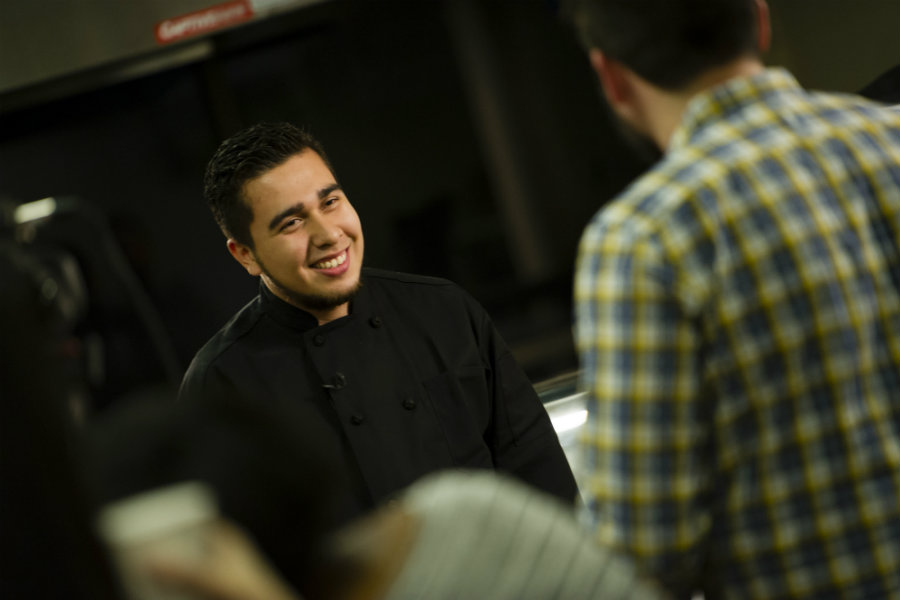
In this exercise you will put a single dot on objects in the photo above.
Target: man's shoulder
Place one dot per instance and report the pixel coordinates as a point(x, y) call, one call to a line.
point(648, 206)
point(230, 334)
point(385, 278)
point(837, 103)
point(408, 285)
point(421, 293)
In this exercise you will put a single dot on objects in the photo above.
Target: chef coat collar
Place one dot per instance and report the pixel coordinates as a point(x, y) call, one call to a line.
point(289, 315)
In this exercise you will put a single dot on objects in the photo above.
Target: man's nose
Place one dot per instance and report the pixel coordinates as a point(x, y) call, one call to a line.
point(323, 232)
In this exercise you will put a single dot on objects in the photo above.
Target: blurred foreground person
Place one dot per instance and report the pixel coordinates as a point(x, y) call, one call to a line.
point(278, 484)
point(406, 373)
point(48, 548)
point(268, 470)
point(451, 535)
point(738, 316)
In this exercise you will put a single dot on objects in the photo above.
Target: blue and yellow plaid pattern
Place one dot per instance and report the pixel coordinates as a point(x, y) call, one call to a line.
point(738, 323)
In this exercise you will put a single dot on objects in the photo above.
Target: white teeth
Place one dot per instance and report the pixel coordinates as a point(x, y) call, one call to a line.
point(330, 264)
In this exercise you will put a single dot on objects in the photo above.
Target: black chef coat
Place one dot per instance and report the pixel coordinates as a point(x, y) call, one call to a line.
point(415, 379)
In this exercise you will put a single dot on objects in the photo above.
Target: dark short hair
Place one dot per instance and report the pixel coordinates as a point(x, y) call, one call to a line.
point(667, 42)
point(243, 157)
point(271, 472)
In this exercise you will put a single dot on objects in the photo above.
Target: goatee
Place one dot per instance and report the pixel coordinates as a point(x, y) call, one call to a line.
point(310, 302)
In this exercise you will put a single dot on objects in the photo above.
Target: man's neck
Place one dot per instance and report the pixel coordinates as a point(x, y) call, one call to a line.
point(664, 109)
point(322, 316)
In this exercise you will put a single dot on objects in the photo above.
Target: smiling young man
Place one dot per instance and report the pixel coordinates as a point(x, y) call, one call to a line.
point(305, 241)
point(406, 373)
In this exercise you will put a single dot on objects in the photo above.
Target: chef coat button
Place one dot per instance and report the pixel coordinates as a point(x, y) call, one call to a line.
point(375, 322)
point(319, 339)
point(409, 403)
point(357, 419)
point(339, 380)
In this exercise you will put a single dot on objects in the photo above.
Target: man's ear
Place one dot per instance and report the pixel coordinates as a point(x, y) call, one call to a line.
point(244, 255)
point(763, 26)
point(616, 80)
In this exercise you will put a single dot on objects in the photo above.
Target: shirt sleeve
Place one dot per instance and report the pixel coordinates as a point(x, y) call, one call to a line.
point(645, 448)
point(522, 438)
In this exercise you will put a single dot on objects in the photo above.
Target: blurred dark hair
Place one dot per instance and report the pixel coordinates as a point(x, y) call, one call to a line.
point(667, 42)
point(245, 156)
point(271, 473)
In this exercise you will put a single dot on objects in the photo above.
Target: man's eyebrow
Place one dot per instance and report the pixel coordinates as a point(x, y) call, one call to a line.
point(298, 208)
point(328, 189)
point(291, 210)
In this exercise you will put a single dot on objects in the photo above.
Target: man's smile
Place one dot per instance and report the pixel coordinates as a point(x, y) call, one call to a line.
point(331, 263)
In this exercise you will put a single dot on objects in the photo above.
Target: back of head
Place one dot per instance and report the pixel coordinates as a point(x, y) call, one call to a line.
point(668, 42)
point(270, 472)
point(245, 156)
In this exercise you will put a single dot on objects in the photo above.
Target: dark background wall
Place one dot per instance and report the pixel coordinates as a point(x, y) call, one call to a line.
point(469, 136)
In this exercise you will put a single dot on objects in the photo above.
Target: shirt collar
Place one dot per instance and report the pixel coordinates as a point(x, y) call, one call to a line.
point(290, 316)
point(718, 102)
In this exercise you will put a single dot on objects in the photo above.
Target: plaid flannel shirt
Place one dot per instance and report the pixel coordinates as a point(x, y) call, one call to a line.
point(738, 323)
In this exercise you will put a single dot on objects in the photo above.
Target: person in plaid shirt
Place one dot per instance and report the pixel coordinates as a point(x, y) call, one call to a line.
point(737, 316)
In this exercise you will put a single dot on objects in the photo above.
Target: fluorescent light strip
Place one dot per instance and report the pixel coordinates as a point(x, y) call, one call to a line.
point(32, 211)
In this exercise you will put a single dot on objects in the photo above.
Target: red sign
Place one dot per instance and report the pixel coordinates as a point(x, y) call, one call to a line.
point(203, 21)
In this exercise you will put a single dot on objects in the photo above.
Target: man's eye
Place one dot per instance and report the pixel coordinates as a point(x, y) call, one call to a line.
point(291, 223)
point(331, 201)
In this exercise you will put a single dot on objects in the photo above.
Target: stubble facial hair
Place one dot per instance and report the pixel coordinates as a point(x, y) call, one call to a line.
point(311, 301)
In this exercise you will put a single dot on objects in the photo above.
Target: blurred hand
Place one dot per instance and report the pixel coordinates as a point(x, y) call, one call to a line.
point(233, 569)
